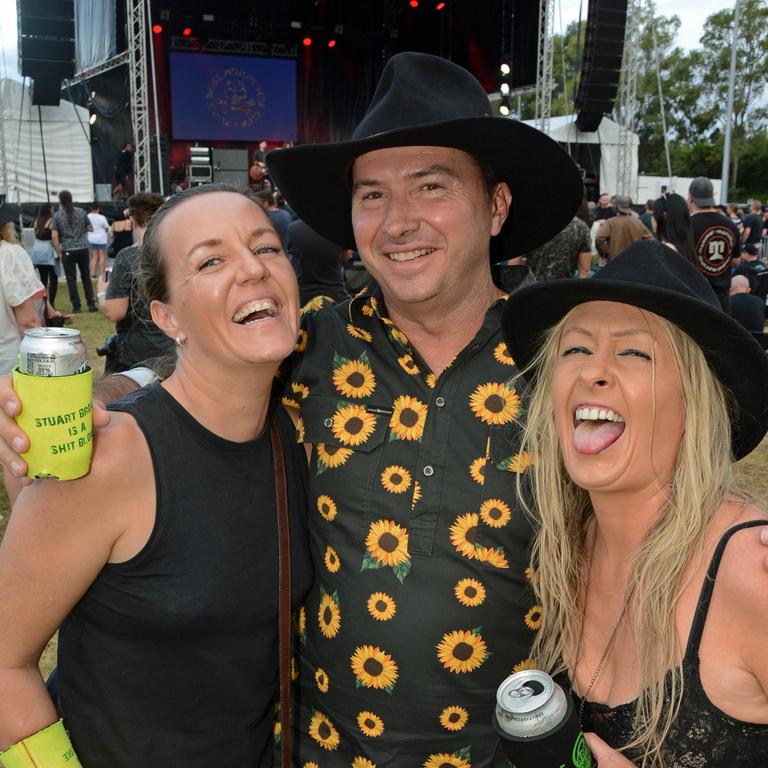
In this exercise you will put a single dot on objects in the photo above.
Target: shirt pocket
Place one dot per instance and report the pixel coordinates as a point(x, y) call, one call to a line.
point(502, 525)
point(346, 437)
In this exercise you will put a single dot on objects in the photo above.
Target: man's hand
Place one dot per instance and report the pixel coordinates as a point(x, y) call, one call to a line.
point(13, 441)
point(605, 756)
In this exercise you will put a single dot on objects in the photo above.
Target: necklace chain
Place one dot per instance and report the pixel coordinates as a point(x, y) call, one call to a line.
point(580, 646)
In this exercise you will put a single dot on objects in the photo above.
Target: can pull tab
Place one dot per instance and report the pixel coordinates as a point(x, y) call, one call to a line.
point(522, 692)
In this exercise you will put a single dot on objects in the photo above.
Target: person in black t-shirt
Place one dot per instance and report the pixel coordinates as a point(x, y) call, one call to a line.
point(715, 236)
point(604, 208)
point(753, 224)
point(747, 309)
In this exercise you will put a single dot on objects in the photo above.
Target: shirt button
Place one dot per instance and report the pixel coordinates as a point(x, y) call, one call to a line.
point(328, 423)
point(428, 471)
point(439, 402)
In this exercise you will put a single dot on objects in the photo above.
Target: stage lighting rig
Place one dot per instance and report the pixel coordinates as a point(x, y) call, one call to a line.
point(504, 107)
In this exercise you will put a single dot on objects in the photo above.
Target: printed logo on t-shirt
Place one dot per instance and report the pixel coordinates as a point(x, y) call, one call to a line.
point(714, 250)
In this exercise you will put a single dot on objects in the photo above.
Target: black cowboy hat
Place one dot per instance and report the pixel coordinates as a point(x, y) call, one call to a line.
point(653, 277)
point(9, 212)
point(423, 100)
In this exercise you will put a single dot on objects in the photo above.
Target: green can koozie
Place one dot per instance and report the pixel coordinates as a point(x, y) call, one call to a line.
point(57, 416)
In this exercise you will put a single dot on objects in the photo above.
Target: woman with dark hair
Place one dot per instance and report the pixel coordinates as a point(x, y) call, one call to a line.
point(672, 224)
point(44, 257)
point(161, 566)
point(70, 239)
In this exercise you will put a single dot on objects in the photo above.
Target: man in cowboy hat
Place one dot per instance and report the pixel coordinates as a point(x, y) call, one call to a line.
point(420, 606)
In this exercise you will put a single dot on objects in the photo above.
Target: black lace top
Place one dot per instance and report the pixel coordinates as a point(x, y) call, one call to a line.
point(702, 735)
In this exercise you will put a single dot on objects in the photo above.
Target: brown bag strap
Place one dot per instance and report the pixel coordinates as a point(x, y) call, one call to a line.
point(284, 597)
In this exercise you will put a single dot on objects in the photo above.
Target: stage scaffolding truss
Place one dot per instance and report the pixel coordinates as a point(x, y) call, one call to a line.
point(139, 92)
point(544, 80)
point(628, 100)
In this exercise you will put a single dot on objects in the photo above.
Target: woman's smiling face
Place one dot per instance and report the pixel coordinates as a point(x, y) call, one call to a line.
point(617, 398)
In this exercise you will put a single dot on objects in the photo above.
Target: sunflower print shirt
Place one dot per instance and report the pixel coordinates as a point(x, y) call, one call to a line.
point(420, 606)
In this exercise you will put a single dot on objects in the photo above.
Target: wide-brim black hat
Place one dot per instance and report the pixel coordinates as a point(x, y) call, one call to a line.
point(653, 277)
point(423, 100)
point(9, 212)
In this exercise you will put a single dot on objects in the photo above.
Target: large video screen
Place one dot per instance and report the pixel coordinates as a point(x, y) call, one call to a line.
point(233, 98)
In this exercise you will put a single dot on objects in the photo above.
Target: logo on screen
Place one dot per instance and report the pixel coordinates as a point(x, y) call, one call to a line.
point(235, 98)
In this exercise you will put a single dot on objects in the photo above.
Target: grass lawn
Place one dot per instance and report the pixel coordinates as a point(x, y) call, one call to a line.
point(751, 472)
point(94, 328)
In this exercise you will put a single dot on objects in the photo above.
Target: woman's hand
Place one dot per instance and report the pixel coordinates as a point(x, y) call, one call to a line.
point(13, 441)
point(604, 755)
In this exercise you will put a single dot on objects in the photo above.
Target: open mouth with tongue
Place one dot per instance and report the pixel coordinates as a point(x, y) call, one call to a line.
point(596, 428)
point(253, 311)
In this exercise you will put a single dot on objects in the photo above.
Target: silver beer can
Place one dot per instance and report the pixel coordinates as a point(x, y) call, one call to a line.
point(52, 352)
point(530, 704)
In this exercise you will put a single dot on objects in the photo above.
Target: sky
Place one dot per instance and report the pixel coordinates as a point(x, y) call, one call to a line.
point(692, 14)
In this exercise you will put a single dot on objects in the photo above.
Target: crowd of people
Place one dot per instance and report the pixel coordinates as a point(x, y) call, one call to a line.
point(478, 481)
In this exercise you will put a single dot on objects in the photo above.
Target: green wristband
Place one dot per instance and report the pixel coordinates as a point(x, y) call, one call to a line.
point(49, 748)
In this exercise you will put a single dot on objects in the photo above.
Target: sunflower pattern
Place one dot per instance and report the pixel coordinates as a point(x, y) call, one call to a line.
point(387, 546)
point(359, 333)
point(501, 354)
point(462, 650)
point(313, 306)
point(331, 456)
point(408, 364)
point(374, 668)
point(326, 506)
point(329, 614)
point(331, 559)
point(321, 680)
point(495, 403)
point(301, 341)
point(524, 664)
point(323, 731)
point(408, 418)
point(534, 617)
point(460, 759)
point(363, 762)
point(470, 592)
point(454, 718)
point(381, 516)
point(352, 424)
point(301, 625)
point(477, 470)
point(517, 463)
point(381, 606)
point(495, 512)
point(396, 479)
point(370, 724)
point(353, 378)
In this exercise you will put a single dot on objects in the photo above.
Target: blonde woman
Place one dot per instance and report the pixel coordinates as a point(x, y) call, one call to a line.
point(648, 561)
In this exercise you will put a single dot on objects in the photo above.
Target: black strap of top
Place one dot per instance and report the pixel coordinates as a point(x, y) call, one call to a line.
point(702, 607)
point(284, 596)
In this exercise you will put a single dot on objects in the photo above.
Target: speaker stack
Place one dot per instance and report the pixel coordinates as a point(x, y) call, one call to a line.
point(601, 66)
point(46, 46)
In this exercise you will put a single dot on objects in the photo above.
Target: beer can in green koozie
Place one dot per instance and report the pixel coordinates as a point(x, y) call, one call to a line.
point(55, 386)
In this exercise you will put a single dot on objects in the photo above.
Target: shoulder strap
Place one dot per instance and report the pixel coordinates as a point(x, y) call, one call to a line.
point(284, 597)
point(705, 596)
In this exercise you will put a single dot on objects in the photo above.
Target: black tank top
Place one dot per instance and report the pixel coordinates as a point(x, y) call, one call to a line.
point(170, 659)
point(702, 735)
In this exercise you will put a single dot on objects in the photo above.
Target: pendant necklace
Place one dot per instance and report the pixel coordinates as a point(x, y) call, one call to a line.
point(580, 646)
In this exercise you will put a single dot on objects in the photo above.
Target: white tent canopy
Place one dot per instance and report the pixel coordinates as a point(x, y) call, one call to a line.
point(67, 150)
point(564, 130)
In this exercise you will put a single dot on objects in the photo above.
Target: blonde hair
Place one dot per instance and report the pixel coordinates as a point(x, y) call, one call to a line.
point(8, 232)
point(562, 512)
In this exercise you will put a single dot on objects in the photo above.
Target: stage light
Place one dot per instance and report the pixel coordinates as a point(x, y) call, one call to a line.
point(92, 118)
point(295, 24)
point(504, 107)
point(505, 69)
point(157, 28)
point(306, 42)
point(504, 88)
point(331, 43)
point(440, 6)
point(187, 31)
point(93, 94)
point(414, 3)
